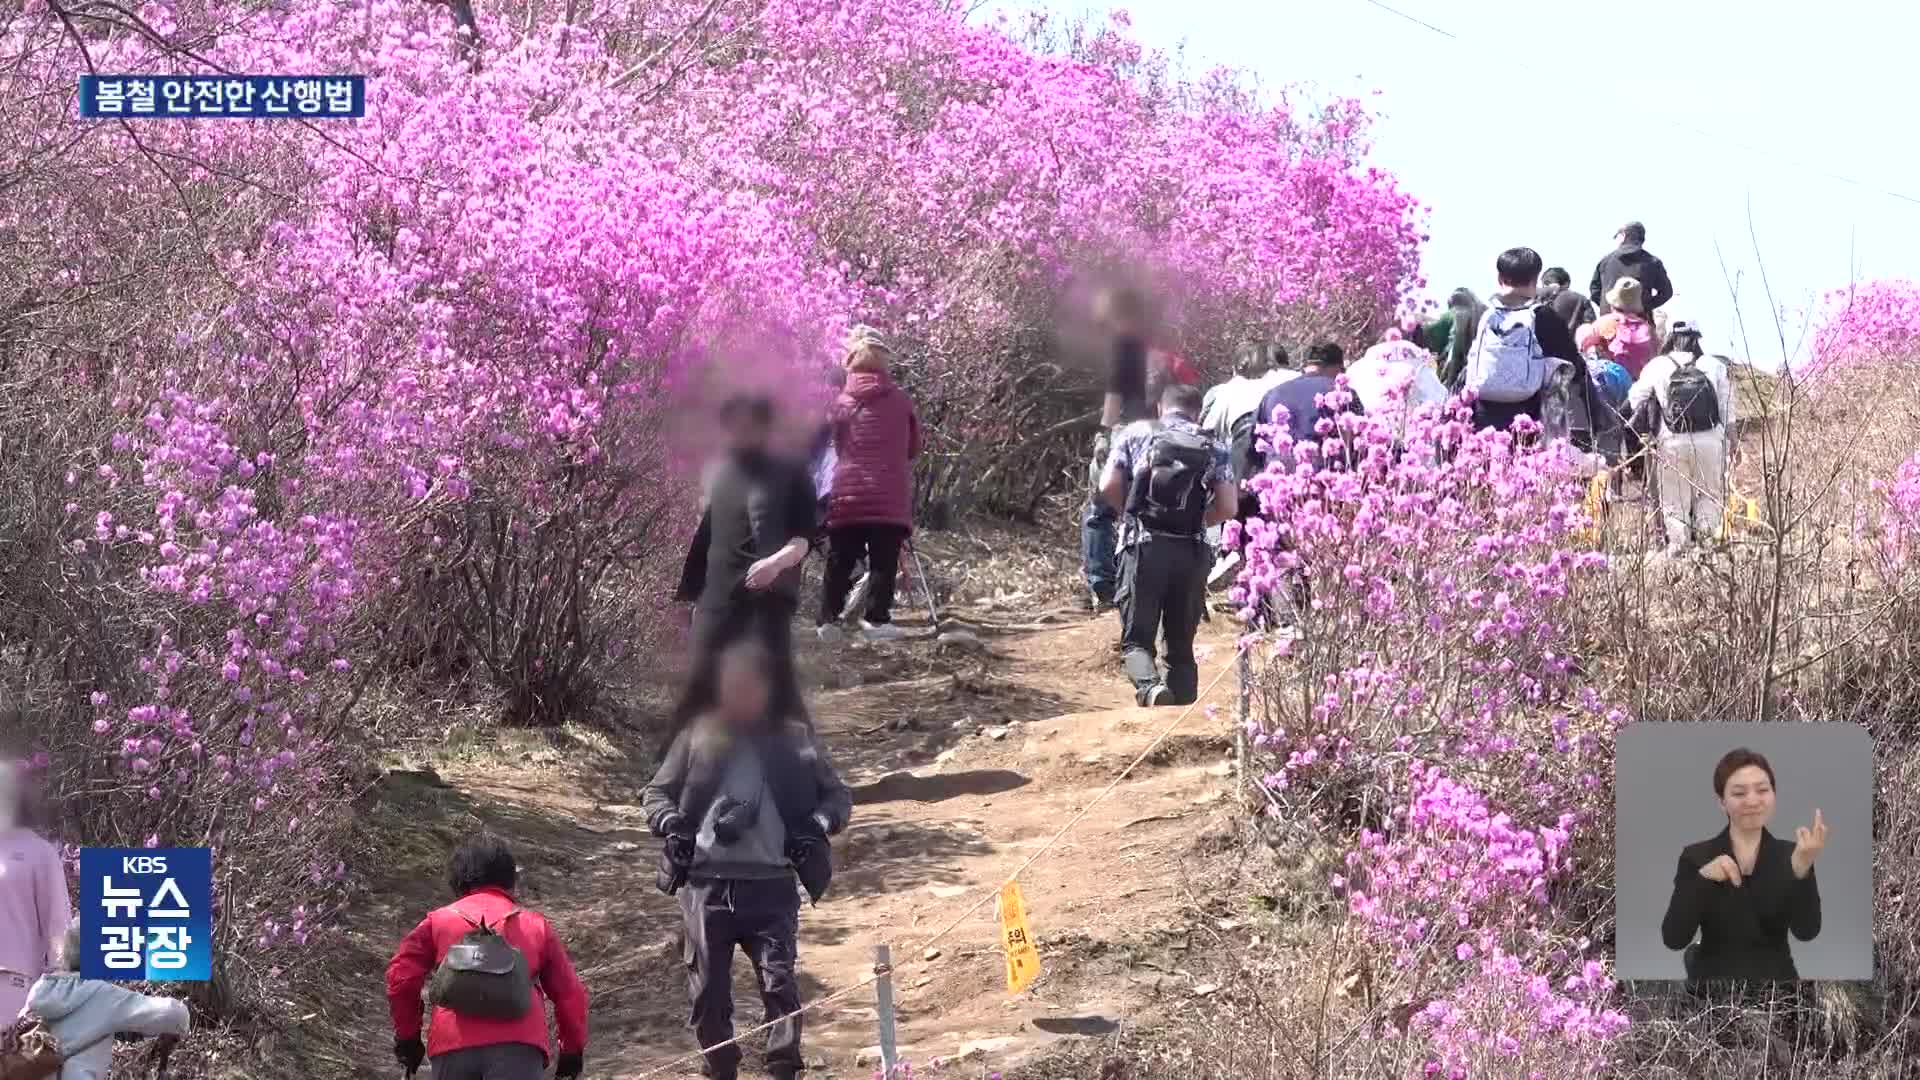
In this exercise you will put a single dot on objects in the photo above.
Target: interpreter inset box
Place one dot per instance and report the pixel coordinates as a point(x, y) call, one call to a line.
point(1744, 852)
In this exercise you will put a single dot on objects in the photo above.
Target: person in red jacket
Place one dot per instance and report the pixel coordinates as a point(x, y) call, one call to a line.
point(483, 875)
point(876, 436)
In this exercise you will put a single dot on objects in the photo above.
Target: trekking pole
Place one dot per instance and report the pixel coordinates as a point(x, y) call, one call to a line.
point(926, 586)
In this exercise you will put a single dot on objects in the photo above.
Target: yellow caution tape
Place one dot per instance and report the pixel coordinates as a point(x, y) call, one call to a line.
point(1023, 960)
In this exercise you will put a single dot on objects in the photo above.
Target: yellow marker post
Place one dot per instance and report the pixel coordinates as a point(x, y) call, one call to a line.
point(1023, 960)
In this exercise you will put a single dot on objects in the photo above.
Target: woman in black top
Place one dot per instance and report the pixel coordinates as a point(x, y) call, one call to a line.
point(1743, 890)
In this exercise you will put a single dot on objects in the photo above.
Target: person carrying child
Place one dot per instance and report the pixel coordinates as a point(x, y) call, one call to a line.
point(745, 801)
point(77, 1018)
point(489, 967)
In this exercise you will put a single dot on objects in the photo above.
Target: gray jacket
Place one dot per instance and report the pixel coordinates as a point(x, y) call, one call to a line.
point(707, 778)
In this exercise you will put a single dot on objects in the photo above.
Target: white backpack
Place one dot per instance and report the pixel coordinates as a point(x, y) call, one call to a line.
point(1506, 364)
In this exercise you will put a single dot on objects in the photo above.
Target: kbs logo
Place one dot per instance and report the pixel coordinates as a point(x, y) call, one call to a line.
point(146, 915)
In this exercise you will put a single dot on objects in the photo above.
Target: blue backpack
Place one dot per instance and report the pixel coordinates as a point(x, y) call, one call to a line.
point(1610, 380)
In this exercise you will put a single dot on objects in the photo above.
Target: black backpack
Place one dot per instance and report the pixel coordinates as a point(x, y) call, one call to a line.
point(1692, 404)
point(1169, 495)
point(484, 976)
point(1240, 445)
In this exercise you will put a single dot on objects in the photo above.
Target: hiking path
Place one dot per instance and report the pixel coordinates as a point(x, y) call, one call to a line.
point(965, 754)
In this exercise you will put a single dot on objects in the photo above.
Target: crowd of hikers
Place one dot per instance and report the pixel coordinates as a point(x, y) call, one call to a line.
point(746, 800)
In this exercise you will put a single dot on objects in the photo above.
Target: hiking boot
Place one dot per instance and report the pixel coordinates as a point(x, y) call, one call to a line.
point(829, 634)
point(881, 631)
point(1157, 695)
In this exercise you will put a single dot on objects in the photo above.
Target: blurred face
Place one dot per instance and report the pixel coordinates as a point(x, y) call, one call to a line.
point(743, 690)
point(744, 432)
point(1748, 798)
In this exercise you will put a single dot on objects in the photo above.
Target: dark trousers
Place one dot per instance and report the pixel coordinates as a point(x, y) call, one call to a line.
point(1163, 586)
point(1500, 415)
point(846, 546)
point(768, 616)
point(763, 919)
point(497, 1061)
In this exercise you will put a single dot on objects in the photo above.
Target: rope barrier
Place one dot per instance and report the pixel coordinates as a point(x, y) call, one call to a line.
point(982, 902)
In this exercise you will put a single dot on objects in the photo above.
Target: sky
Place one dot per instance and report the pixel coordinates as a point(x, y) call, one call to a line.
point(1554, 127)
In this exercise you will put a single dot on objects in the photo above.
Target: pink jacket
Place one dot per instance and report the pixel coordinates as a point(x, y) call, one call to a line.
point(876, 436)
point(34, 906)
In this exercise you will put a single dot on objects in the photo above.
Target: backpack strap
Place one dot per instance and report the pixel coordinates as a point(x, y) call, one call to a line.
point(481, 923)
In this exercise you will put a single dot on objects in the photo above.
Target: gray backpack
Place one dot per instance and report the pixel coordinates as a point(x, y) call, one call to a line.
point(484, 976)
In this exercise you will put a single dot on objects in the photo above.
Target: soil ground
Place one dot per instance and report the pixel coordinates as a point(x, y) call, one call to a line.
point(965, 753)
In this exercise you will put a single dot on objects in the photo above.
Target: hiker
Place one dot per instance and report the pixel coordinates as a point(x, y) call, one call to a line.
point(1122, 313)
point(1556, 292)
point(1630, 258)
point(1305, 399)
point(1694, 395)
point(489, 1018)
point(876, 436)
point(1170, 366)
point(84, 1015)
point(1230, 413)
point(1516, 355)
point(743, 567)
point(745, 801)
point(1451, 336)
point(1624, 332)
point(1611, 384)
point(1257, 367)
point(34, 905)
point(1393, 379)
point(1171, 480)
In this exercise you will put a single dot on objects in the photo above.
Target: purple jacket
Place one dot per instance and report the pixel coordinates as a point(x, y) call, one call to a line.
point(876, 436)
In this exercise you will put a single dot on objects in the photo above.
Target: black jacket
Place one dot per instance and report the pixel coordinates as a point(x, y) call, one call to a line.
point(1633, 262)
point(1572, 308)
point(1743, 931)
point(760, 506)
point(807, 791)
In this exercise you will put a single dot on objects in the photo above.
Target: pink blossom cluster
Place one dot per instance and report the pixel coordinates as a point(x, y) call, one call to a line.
point(1508, 1018)
point(1895, 529)
point(1437, 574)
point(1871, 323)
point(1449, 872)
point(1458, 893)
point(1436, 577)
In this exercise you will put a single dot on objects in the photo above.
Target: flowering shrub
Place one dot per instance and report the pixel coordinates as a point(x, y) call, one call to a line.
point(1452, 874)
point(311, 410)
point(1871, 324)
point(1438, 588)
point(1506, 1018)
point(1435, 582)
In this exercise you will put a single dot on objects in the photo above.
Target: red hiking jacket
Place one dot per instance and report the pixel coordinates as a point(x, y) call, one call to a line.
point(553, 977)
point(1178, 368)
point(876, 436)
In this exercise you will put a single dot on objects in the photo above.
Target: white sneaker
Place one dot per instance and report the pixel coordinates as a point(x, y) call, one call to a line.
point(828, 634)
point(881, 632)
point(1223, 567)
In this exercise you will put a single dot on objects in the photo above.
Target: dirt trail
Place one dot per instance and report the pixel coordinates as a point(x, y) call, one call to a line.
point(959, 774)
